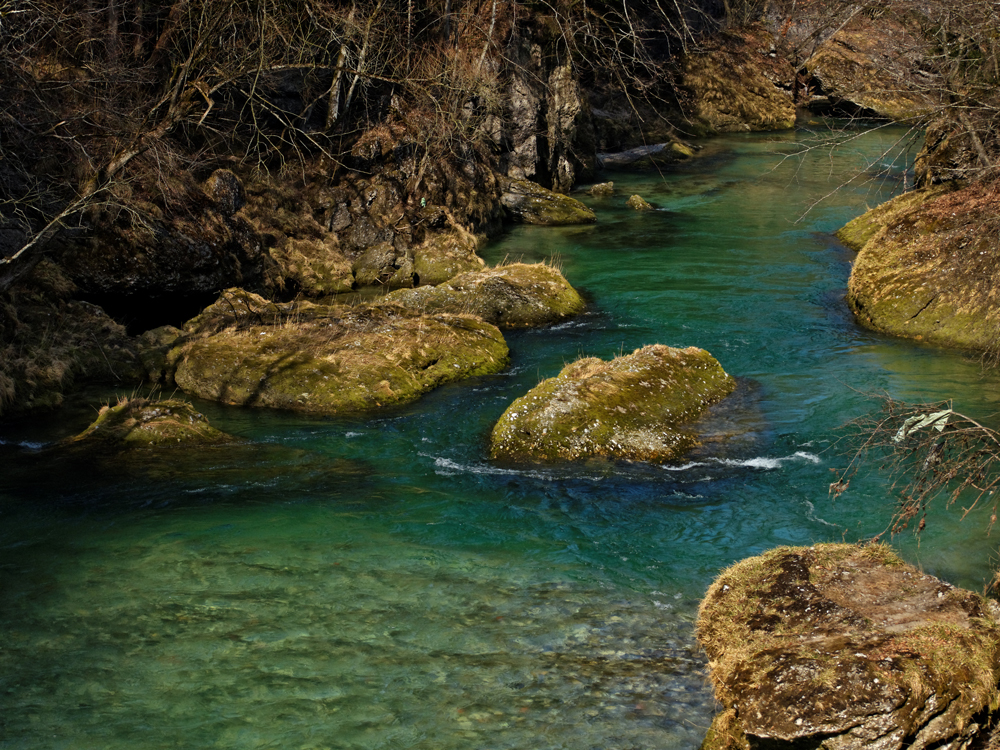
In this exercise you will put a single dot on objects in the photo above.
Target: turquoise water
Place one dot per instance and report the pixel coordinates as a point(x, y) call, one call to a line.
point(379, 583)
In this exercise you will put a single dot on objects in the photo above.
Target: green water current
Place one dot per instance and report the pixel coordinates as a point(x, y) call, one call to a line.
point(379, 583)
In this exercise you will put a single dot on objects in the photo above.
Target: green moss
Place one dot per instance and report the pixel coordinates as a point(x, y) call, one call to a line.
point(632, 408)
point(518, 295)
point(140, 422)
point(338, 359)
point(926, 269)
point(445, 255)
point(532, 204)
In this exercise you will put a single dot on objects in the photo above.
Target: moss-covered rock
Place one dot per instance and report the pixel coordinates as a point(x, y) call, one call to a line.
point(444, 255)
point(845, 647)
point(328, 359)
point(518, 295)
point(532, 204)
point(602, 189)
point(638, 203)
point(633, 407)
point(139, 422)
point(927, 266)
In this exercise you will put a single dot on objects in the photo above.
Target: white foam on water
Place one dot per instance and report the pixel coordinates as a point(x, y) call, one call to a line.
point(766, 463)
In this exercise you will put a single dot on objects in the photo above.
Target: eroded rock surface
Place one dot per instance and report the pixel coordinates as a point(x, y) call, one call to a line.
point(926, 267)
point(325, 359)
point(840, 647)
point(633, 407)
point(513, 296)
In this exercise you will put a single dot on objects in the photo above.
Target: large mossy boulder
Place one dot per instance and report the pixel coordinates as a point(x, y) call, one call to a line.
point(327, 359)
point(529, 203)
point(518, 295)
point(926, 267)
point(634, 407)
point(142, 422)
point(845, 647)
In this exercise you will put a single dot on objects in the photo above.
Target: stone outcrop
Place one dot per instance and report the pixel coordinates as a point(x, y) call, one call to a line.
point(322, 359)
point(551, 133)
point(870, 68)
point(529, 203)
point(735, 84)
point(195, 241)
point(634, 407)
point(518, 295)
point(141, 422)
point(926, 266)
point(842, 647)
point(50, 342)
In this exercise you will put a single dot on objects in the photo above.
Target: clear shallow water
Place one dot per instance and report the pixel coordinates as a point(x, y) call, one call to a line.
point(378, 583)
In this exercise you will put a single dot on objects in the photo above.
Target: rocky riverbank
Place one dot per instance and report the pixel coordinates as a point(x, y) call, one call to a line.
point(842, 646)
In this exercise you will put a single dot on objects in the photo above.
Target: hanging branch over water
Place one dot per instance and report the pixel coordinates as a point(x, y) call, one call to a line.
point(933, 454)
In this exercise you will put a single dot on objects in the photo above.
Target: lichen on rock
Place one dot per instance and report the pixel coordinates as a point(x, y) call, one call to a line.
point(518, 295)
point(327, 359)
point(927, 265)
point(142, 422)
point(844, 647)
point(634, 407)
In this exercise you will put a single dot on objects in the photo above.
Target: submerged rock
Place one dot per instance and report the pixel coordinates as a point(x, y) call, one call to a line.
point(137, 422)
point(641, 157)
point(926, 266)
point(532, 204)
point(633, 407)
point(513, 296)
point(840, 647)
point(327, 359)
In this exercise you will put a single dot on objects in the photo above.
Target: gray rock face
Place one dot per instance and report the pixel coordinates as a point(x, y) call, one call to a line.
point(845, 647)
point(552, 133)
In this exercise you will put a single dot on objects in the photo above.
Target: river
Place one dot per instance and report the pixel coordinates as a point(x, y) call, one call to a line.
point(379, 583)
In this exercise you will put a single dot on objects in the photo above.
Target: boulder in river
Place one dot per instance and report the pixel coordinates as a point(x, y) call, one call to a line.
point(844, 647)
point(638, 203)
point(926, 266)
point(326, 359)
point(634, 407)
point(140, 422)
point(530, 203)
point(518, 295)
